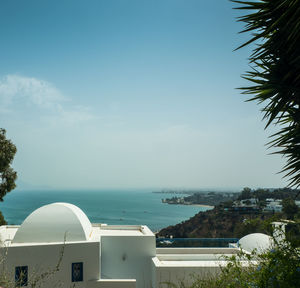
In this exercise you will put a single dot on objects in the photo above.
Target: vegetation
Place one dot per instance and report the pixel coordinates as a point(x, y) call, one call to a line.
point(7, 175)
point(204, 198)
point(275, 78)
point(218, 223)
point(263, 194)
point(227, 198)
point(276, 267)
point(275, 60)
point(290, 208)
point(225, 221)
point(275, 83)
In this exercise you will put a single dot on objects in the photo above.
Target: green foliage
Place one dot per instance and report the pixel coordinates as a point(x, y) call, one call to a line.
point(289, 207)
point(256, 224)
point(249, 226)
point(245, 194)
point(276, 267)
point(7, 175)
point(263, 194)
point(275, 77)
point(292, 231)
point(224, 221)
point(2, 220)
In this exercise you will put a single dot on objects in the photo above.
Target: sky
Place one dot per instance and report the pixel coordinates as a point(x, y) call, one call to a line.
point(130, 94)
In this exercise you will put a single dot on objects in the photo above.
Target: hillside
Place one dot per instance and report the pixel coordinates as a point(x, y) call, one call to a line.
point(218, 223)
point(234, 219)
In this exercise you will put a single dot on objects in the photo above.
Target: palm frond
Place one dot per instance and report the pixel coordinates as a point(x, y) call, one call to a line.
point(274, 26)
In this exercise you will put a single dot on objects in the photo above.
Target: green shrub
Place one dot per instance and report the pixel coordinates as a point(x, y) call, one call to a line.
point(276, 267)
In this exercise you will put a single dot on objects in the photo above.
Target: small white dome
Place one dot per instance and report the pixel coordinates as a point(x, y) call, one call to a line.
point(55, 222)
point(258, 241)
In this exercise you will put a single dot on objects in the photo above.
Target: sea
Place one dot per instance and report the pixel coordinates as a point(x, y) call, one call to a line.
point(113, 207)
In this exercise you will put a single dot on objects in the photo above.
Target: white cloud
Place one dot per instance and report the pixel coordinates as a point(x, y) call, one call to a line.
point(38, 92)
point(44, 96)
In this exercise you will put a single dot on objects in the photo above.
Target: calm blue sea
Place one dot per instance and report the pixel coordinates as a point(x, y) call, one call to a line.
point(102, 206)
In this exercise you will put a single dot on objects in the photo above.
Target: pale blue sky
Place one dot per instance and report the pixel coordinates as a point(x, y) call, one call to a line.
point(120, 94)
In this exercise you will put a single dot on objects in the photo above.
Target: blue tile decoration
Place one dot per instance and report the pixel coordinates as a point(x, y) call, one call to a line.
point(77, 272)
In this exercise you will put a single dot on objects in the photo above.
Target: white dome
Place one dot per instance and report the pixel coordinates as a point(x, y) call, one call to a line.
point(55, 222)
point(258, 241)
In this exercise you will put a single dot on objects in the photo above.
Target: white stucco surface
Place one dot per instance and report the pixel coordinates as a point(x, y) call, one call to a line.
point(112, 283)
point(7, 233)
point(128, 257)
point(111, 231)
point(45, 258)
point(112, 256)
point(258, 241)
point(179, 267)
point(54, 223)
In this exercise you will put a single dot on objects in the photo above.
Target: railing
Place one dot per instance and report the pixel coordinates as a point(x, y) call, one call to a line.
point(195, 242)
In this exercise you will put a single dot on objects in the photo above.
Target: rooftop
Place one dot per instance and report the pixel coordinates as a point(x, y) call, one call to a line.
point(63, 222)
point(54, 223)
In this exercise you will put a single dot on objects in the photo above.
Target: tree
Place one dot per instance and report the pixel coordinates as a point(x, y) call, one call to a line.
point(7, 175)
point(289, 207)
point(275, 74)
point(2, 221)
point(245, 194)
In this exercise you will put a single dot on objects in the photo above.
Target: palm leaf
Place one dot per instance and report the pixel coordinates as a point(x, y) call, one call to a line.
point(274, 26)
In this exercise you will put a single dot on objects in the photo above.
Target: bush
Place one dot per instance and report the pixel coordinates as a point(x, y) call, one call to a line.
point(276, 267)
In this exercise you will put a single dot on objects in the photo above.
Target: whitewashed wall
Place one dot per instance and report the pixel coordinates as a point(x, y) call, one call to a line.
point(183, 274)
point(43, 258)
point(128, 257)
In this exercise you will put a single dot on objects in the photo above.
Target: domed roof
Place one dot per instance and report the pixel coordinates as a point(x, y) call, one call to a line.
point(55, 222)
point(258, 241)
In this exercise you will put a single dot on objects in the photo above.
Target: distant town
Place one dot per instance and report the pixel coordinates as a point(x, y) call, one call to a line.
point(201, 198)
point(268, 200)
point(236, 214)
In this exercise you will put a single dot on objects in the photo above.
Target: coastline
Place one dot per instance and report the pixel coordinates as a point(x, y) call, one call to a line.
point(184, 204)
point(134, 207)
point(202, 205)
point(191, 204)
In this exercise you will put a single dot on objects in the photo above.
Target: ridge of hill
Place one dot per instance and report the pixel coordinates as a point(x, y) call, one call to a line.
point(227, 220)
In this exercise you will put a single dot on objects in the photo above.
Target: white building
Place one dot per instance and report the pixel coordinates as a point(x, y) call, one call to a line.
point(57, 246)
point(273, 206)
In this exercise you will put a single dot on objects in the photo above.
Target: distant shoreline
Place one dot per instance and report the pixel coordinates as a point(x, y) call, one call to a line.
point(202, 205)
point(191, 204)
point(206, 200)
